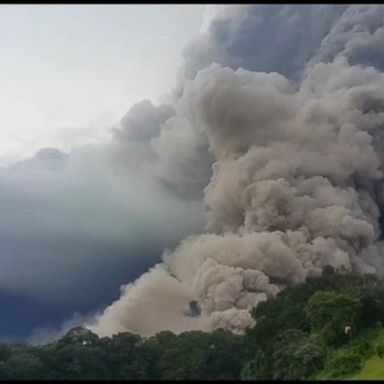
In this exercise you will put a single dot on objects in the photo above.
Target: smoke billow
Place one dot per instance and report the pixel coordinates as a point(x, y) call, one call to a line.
point(292, 158)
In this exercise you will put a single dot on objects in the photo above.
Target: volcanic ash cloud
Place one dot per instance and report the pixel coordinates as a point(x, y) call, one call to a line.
point(296, 185)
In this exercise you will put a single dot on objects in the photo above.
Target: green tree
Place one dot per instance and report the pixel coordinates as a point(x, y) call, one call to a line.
point(380, 350)
point(5, 352)
point(343, 362)
point(124, 359)
point(310, 356)
point(226, 355)
point(257, 368)
point(23, 366)
point(80, 362)
point(184, 357)
point(372, 308)
point(285, 365)
point(330, 312)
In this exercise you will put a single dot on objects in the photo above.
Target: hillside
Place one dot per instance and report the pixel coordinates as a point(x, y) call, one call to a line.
point(300, 334)
point(373, 369)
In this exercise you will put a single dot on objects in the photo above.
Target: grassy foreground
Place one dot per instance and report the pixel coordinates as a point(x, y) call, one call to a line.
point(371, 366)
point(372, 370)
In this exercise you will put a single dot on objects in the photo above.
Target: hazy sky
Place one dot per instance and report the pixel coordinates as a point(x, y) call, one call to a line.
point(69, 72)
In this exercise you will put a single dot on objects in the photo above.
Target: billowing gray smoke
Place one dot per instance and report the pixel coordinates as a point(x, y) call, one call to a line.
point(295, 163)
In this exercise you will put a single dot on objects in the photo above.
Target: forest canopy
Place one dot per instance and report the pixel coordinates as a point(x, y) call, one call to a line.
point(324, 328)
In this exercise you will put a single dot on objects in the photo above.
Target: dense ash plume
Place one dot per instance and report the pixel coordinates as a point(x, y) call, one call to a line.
point(296, 164)
point(357, 35)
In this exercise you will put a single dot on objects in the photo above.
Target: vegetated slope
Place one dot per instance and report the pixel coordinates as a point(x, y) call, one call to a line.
point(329, 327)
point(372, 370)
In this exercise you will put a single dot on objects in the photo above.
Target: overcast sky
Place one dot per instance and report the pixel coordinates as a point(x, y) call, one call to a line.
point(69, 72)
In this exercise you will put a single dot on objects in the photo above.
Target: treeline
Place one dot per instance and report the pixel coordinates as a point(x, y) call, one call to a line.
point(325, 328)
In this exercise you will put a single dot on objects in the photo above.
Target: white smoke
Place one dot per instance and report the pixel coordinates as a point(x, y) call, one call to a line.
point(296, 167)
